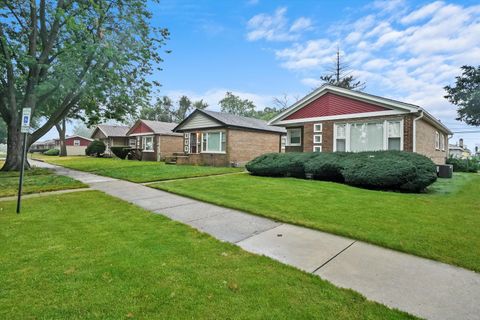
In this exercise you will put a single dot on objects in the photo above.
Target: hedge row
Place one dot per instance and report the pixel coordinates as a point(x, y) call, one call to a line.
point(464, 165)
point(52, 152)
point(95, 148)
point(384, 170)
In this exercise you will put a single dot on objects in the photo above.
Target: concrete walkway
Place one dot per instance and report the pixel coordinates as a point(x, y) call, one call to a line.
point(422, 287)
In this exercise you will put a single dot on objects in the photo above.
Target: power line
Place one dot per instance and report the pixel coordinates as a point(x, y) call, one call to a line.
point(475, 131)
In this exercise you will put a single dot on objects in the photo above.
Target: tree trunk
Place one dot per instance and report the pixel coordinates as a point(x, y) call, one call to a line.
point(13, 162)
point(61, 128)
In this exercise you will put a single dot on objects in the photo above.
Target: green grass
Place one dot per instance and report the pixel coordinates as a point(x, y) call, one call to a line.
point(442, 225)
point(135, 171)
point(35, 180)
point(86, 255)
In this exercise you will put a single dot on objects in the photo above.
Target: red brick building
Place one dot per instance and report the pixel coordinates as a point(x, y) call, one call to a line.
point(337, 119)
point(222, 139)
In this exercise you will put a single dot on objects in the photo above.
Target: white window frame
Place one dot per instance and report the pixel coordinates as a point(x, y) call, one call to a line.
point(289, 132)
point(442, 142)
point(76, 143)
point(319, 136)
point(317, 148)
point(437, 140)
point(222, 135)
point(319, 129)
point(144, 138)
point(385, 133)
point(132, 142)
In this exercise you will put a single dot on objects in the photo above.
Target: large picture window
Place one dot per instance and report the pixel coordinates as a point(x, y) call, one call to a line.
point(214, 142)
point(368, 136)
point(294, 137)
point(147, 143)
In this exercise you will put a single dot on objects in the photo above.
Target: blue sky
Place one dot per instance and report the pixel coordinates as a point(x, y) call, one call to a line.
point(260, 49)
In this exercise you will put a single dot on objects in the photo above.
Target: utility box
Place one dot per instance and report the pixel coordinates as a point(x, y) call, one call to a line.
point(445, 171)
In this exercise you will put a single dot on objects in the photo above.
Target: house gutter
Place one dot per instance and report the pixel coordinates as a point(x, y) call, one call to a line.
point(415, 130)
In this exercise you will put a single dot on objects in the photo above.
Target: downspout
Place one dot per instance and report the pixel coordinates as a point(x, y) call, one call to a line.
point(415, 130)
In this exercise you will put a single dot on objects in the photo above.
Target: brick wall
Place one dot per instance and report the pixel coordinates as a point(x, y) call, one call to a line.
point(243, 145)
point(170, 145)
point(205, 159)
point(425, 142)
point(328, 127)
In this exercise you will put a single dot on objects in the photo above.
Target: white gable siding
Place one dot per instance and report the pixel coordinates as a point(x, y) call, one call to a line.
point(199, 120)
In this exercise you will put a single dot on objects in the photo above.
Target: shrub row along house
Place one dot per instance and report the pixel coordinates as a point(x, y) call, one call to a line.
point(328, 119)
point(337, 119)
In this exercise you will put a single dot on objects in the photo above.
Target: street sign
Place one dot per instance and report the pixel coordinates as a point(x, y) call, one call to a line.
point(26, 113)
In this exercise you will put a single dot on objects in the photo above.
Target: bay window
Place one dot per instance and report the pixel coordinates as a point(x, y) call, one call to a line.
point(294, 137)
point(214, 142)
point(148, 143)
point(368, 136)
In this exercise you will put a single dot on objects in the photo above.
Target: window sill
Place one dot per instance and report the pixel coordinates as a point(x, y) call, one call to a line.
point(147, 151)
point(214, 152)
point(293, 145)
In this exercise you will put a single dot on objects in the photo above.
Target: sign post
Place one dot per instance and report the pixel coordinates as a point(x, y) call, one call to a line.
point(26, 114)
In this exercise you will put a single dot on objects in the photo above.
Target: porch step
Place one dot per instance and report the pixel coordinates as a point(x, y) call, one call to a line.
point(173, 159)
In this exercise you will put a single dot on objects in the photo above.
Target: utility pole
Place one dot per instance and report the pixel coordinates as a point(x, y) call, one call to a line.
point(338, 65)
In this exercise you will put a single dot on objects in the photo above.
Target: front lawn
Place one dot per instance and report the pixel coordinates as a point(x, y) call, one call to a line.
point(442, 225)
point(35, 180)
point(133, 170)
point(87, 255)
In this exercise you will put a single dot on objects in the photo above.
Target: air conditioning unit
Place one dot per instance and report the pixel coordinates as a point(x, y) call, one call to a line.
point(445, 171)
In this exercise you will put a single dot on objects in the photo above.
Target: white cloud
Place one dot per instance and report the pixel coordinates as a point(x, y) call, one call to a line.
point(400, 52)
point(301, 24)
point(276, 27)
point(422, 13)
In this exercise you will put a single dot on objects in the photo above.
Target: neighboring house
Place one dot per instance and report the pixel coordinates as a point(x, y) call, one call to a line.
point(75, 144)
point(112, 135)
point(222, 139)
point(337, 119)
point(459, 150)
point(154, 139)
point(42, 146)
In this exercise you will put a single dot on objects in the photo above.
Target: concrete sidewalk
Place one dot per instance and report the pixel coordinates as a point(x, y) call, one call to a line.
point(422, 287)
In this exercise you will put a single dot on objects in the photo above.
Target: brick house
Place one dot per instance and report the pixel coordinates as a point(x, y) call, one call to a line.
point(155, 139)
point(112, 136)
point(222, 139)
point(337, 119)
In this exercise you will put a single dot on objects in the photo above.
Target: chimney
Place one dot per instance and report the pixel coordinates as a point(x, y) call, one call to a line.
point(460, 143)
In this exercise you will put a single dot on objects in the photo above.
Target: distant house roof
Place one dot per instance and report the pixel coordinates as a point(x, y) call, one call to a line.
point(231, 120)
point(157, 127)
point(77, 136)
point(112, 130)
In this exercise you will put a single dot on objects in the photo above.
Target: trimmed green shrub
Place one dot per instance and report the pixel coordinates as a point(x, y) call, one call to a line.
point(386, 170)
point(280, 164)
point(121, 151)
point(464, 165)
point(52, 152)
point(327, 166)
point(95, 148)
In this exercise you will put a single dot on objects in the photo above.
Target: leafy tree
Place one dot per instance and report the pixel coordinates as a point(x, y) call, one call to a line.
point(165, 110)
point(73, 57)
point(62, 129)
point(95, 148)
point(340, 76)
point(235, 105)
point(162, 110)
point(80, 129)
point(466, 95)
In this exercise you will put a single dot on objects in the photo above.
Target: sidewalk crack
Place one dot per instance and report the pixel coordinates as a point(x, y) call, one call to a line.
point(326, 262)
